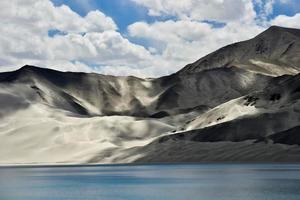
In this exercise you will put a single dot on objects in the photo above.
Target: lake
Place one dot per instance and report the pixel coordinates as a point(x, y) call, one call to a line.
point(143, 182)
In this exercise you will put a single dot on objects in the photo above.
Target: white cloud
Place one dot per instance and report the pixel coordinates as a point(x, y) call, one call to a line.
point(86, 5)
point(97, 47)
point(287, 21)
point(185, 41)
point(41, 15)
point(92, 39)
point(189, 36)
point(218, 10)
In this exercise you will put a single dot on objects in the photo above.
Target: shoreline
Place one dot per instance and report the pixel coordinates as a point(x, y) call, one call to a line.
point(142, 164)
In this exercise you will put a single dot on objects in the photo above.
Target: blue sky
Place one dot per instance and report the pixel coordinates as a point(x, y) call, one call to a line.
point(130, 37)
point(290, 8)
point(126, 12)
point(123, 12)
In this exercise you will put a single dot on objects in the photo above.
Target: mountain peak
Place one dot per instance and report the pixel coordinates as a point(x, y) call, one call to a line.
point(273, 52)
point(274, 27)
point(28, 67)
point(278, 30)
point(34, 69)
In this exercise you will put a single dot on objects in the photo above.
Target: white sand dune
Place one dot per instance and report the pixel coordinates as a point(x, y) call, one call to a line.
point(42, 135)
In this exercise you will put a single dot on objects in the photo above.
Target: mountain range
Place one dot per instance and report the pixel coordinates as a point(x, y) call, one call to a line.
point(240, 103)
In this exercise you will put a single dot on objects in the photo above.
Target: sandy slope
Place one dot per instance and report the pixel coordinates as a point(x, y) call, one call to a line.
point(42, 135)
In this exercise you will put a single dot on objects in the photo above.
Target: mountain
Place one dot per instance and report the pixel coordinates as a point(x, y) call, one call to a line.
point(99, 95)
point(274, 52)
point(261, 126)
point(239, 103)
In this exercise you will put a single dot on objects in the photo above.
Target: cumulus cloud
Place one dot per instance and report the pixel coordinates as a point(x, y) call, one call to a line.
point(92, 39)
point(193, 34)
point(218, 10)
point(42, 15)
point(287, 21)
point(185, 41)
point(37, 32)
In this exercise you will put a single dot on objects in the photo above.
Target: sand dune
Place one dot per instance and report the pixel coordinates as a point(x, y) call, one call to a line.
point(39, 134)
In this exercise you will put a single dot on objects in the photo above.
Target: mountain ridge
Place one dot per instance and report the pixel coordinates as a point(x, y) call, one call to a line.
point(240, 103)
point(258, 47)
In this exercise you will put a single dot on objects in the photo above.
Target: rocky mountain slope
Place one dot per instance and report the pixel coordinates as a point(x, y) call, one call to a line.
point(263, 126)
point(240, 103)
point(274, 52)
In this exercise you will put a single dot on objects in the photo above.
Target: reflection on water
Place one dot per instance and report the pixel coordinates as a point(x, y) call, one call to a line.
point(203, 181)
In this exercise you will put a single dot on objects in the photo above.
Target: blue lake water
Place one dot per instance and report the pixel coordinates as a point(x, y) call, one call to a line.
point(143, 182)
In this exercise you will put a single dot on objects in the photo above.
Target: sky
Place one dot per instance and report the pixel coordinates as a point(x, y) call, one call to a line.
point(145, 38)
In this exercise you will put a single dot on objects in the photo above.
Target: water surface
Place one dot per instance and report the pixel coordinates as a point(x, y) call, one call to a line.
point(153, 182)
